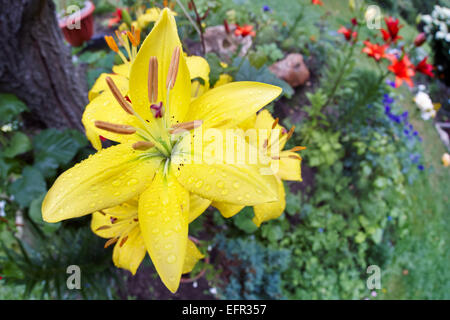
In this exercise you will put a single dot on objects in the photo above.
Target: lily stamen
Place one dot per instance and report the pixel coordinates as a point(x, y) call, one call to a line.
point(173, 68)
point(110, 242)
point(143, 145)
point(118, 96)
point(115, 128)
point(153, 80)
point(275, 123)
point(122, 242)
point(112, 44)
point(185, 126)
point(102, 228)
point(298, 148)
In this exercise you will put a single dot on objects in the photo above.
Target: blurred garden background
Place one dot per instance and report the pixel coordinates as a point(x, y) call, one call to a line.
point(366, 85)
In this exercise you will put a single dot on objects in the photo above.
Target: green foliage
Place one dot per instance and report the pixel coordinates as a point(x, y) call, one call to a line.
point(246, 72)
point(10, 108)
point(255, 269)
point(36, 262)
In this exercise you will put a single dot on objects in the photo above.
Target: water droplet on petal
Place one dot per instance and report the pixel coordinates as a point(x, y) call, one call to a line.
point(171, 258)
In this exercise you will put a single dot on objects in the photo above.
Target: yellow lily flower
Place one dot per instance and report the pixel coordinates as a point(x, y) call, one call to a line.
point(288, 164)
point(198, 69)
point(120, 225)
point(151, 160)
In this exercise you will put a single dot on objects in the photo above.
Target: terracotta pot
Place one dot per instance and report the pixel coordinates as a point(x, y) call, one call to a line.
point(79, 26)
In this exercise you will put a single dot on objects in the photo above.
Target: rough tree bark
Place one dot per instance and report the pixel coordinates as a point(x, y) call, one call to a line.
point(36, 65)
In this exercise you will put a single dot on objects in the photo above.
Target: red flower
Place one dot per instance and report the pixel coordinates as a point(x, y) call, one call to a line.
point(376, 51)
point(403, 70)
point(245, 30)
point(319, 2)
point(354, 22)
point(425, 68)
point(117, 16)
point(348, 33)
point(393, 28)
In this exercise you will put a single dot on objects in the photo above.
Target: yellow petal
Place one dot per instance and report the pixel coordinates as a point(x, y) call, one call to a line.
point(227, 210)
point(289, 167)
point(100, 84)
point(230, 104)
point(238, 182)
point(264, 122)
point(112, 222)
point(163, 217)
point(122, 69)
point(198, 67)
point(160, 43)
point(106, 179)
point(129, 250)
point(193, 255)
point(106, 108)
point(223, 79)
point(197, 205)
point(272, 210)
point(248, 123)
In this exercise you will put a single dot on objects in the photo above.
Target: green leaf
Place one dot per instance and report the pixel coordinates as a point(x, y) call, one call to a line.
point(19, 144)
point(10, 107)
point(360, 237)
point(53, 148)
point(250, 73)
point(30, 186)
point(35, 214)
point(243, 220)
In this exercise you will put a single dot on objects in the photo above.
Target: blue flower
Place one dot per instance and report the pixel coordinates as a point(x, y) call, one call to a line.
point(389, 218)
point(406, 132)
point(415, 133)
point(420, 167)
point(391, 83)
point(320, 230)
point(266, 9)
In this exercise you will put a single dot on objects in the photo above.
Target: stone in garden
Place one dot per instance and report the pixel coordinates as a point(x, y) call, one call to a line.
point(217, 40)
point(291, 69)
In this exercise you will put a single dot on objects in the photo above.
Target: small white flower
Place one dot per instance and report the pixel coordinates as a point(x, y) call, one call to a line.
point(427, 19)
point(213, 291)
point(2, 208)
point(440, 35)
point(423, 101)
point(7, 127)
point(195, 284)
point(421, 87)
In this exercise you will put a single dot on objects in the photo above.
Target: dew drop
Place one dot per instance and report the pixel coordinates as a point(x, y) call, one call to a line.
point(171, 258)
point(132, 182)
point(224, 192)
point(199, 184)
point(220, 184)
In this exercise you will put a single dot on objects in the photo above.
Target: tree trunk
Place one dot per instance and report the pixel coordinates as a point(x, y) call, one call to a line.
point(36, 65)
